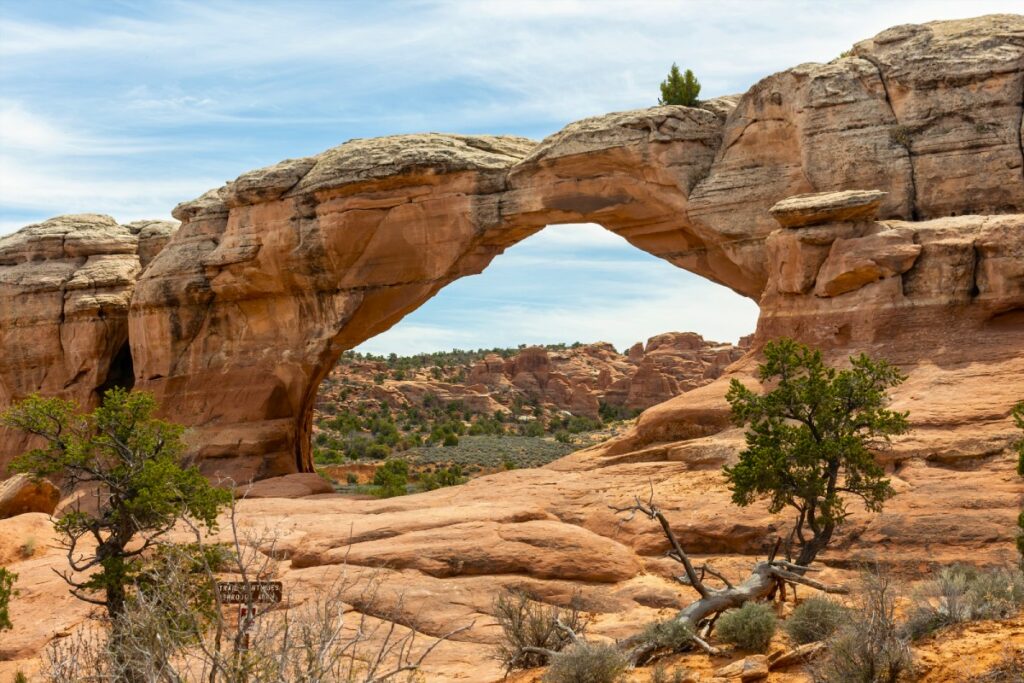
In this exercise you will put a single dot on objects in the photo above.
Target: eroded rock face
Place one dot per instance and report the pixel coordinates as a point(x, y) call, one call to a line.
point(65, 288)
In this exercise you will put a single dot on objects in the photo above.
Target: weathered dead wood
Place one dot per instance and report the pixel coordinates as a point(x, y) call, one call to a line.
point(765, 579)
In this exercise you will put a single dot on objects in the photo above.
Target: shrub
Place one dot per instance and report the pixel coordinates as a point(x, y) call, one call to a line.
point(586, 663)
point(562, 436)
point(351, 478)
point(525, 623)
point(391, 478)
point(961, 593)
point(815, 619)
point(869, 648)
point(672, 635)
point(451, 439)
point(750, 627)
point(533, 429)
point(6, 592)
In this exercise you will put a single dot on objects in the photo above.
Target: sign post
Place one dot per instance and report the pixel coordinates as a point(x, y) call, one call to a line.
point(247, 594)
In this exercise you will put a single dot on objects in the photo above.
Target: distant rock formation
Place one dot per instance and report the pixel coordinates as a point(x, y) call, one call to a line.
point(576, 379)
point(239, 317)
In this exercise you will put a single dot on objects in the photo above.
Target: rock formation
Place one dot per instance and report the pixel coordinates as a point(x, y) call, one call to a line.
point(240, 316)
point(576, 379)
point(65, 288)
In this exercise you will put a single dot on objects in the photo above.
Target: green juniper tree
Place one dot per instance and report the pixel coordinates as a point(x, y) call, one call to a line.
point(810, 439)
point(130, 465)
point(680, 88)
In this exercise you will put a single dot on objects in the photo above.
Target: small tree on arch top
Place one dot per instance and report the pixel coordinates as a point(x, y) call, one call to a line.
point(680, 88)
point(810, 439)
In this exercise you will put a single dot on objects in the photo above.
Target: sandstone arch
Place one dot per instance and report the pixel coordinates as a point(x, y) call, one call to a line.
point(270, 277)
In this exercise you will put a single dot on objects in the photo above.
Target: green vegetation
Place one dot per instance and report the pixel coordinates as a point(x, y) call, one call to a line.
point(443, 442)
point(815, 619)
point(392, 478)
point(134, 462)
point(750, 627)
point(680, 88)
point(444, 361)
point(810, 437)
point(587, 662)
point(476, 454)
point(960, 594)
point(7, 579)
point(672, 634)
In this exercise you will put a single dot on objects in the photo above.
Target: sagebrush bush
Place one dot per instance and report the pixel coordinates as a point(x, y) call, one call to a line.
point(750, 627)
point(815, 619)
point(869, 648)
point(525, 623)
point(586, 662)
point(673, 635)
point(961, 593)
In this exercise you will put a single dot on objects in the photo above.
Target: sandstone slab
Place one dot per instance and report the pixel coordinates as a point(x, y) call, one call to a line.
point(21, 493)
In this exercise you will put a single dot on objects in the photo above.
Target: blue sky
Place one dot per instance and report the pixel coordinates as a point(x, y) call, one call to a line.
point(127, 108)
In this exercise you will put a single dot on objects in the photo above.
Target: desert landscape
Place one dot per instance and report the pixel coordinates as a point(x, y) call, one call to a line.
point(873, 204)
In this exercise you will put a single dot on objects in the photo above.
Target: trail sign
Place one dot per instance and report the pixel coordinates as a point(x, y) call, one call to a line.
point(242, 592)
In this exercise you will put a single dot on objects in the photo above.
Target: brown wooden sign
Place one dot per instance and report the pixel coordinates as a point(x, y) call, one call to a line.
point(241, 592)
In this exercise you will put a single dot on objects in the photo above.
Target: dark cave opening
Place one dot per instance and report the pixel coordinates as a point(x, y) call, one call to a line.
point(122, 371)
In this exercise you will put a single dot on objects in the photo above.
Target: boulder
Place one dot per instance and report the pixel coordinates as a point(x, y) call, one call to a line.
point(21, 493)
point(853, 263)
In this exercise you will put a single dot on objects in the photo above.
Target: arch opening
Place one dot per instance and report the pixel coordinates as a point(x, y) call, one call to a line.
point(568, 322)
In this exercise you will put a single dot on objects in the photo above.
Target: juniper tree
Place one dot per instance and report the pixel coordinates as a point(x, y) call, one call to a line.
point(810, 437)
point(131, 465)
point(680, 88)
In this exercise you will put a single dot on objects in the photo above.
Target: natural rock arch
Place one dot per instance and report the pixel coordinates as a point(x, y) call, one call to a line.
point(269, 278)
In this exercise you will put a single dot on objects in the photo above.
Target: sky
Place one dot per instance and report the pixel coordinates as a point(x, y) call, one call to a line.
point(128, 108)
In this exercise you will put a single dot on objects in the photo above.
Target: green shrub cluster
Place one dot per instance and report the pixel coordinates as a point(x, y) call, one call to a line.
point(445, 476)
point(750, 627)
point(392, 479)
point(672, 634)
point(587, 662)
point(816, 619)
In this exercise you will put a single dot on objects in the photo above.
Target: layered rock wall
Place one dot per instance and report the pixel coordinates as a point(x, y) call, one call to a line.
point(235, 322)
point(65, 288)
